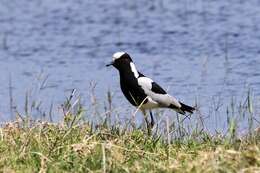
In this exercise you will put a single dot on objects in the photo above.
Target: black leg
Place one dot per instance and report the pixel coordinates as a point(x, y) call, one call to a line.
point(152, 120)
point(148, 125)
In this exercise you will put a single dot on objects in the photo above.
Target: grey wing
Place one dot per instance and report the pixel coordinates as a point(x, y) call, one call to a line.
point(156, 93)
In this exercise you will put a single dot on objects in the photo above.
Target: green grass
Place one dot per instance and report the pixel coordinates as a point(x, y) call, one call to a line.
point(79, 145)
point(47, 147)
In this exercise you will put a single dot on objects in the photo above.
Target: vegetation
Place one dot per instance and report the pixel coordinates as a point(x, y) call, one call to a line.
point(78, 145)
point(46, 147)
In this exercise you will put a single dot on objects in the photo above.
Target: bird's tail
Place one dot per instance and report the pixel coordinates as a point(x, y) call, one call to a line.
point(185, 108)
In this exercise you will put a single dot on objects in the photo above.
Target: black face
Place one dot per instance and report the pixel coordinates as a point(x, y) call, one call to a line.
point(121, 62)
point(125, 59)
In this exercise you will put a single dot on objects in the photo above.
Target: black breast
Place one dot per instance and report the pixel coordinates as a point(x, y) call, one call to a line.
point(132, 91)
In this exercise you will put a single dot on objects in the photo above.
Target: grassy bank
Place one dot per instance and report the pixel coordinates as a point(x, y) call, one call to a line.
point(79, 145)
point(47, 147)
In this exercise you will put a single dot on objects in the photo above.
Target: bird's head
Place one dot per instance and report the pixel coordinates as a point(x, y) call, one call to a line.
point(120, 59)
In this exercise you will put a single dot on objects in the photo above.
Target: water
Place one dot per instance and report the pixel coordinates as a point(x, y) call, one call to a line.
point(204, 50)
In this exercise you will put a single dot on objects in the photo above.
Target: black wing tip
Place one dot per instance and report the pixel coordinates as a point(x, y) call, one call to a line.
point(186, 108)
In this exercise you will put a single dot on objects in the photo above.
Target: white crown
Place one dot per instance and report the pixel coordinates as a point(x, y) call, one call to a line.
point(117, 55)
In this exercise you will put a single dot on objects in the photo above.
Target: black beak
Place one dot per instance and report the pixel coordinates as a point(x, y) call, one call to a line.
point(111, 63)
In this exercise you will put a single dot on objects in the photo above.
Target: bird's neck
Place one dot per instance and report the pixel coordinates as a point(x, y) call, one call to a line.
point(128, 70)
point(134, 70)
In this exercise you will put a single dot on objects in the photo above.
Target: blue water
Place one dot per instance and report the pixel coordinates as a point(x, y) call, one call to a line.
point(198, 50)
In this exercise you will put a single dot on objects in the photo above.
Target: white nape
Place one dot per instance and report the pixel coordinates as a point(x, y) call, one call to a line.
point(133, 69)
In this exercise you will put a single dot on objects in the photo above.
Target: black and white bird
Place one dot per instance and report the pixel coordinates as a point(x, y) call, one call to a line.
point(142, 91)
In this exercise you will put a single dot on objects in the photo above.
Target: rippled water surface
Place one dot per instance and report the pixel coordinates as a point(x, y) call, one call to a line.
point(201, 50)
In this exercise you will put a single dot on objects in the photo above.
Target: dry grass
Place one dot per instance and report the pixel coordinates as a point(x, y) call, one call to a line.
point(78, 145)
point(46, 147)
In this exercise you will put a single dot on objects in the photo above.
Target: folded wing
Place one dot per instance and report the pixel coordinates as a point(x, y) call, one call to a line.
point(157, 93)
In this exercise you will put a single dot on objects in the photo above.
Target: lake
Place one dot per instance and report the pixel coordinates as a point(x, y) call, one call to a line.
point(201, 51)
